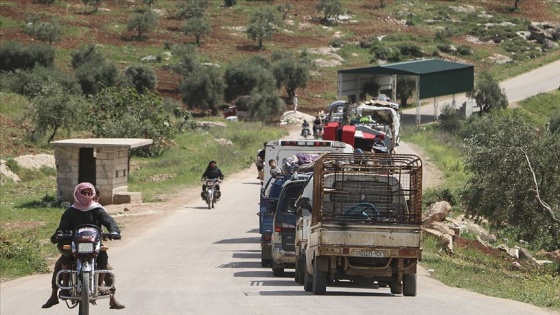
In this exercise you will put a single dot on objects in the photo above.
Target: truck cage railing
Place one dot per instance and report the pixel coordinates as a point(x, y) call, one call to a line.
point(368, 188)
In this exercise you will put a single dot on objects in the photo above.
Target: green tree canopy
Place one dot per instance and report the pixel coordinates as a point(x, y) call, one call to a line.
point(48, 32)
point(54, 109)
point(191, 8)
point(502, 187)
point(291, 71)
point(92, 70)
point(203, 88)
point(31, 82)
point(262, 25)
point(85, 54)
point(188, 59)
point(14, 55)
point(488, 94)
point(125, 113)
point(198, 27)
point(143, 23)
point(247, 75)
point(406, 85)
point(265, 106)
point(331, 9)
point(142, 78)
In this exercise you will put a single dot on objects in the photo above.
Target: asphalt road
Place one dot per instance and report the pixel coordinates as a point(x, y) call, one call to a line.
point(540, 80)
point(201, 261)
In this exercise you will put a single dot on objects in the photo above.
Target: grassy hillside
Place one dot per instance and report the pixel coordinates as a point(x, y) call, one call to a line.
point(489, 28)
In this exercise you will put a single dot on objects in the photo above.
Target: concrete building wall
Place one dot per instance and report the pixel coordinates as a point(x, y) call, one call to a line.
point(111, 172)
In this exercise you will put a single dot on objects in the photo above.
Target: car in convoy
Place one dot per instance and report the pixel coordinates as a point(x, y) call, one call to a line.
point(284, 224)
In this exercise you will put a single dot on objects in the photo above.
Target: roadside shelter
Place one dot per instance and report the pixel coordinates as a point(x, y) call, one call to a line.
point(434, 78)
point(100, 161)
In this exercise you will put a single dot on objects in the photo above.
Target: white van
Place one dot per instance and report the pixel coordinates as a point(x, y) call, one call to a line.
point(284, 150)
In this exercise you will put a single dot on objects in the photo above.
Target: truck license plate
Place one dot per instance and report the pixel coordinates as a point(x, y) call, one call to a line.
point(368, 253)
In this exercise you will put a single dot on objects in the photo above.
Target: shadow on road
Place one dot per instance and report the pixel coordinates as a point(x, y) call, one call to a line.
point(242, 240)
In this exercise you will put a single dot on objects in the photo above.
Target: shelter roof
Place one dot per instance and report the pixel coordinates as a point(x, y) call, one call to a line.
point(415, 67)
point(103, 142)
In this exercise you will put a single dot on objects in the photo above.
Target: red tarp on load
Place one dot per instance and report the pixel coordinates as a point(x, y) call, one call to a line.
point(330, 131)
point(348, 134)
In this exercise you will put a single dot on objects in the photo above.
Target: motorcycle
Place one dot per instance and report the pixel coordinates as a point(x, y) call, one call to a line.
point(305, 132)
point(83, 287)
point(317, 131)
point(211, 194)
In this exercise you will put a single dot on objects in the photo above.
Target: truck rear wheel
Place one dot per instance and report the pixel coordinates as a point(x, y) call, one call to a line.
point(396, 287)
point(307, 281)
point(409, 285)
point(319, 279)
point(300, 270)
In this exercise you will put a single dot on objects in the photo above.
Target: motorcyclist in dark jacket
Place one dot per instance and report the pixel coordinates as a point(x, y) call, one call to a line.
point(317, 128)
point(212, 172)
point(84, 210)
point(304, 127)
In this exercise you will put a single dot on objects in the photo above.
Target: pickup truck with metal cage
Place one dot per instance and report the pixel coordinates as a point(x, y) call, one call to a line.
point(359, 223)
point(285, 153)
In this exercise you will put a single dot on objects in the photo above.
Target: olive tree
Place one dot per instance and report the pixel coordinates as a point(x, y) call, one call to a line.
point(203, 89)
point(125, 113)
point(92, 70)
point(331, 9)
point(198, 27)
point(245, 76)
point(265, 106)
point(48, 32)
point(262, 25)
point(143, 23)
point(291, 71)
point(514, 178)
point(406, 85)
point(14, 55)
point(142, 78)
point(488, 94)
point(191, 8)
point(54, 109)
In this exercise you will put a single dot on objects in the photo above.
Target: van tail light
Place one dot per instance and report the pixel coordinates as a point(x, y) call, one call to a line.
point(284, 227)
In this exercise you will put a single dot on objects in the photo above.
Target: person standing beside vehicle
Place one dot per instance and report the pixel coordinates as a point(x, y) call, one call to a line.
point(212, 172)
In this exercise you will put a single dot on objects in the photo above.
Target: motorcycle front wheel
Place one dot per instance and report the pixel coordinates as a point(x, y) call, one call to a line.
point(210, 199)
point(84, 301)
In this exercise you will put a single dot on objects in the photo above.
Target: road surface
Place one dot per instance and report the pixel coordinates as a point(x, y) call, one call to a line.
point(200, 261)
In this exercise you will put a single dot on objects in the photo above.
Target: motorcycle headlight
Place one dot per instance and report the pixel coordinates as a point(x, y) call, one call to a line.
point(85, 248)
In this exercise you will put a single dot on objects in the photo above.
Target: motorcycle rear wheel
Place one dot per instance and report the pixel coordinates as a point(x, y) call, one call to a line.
point(84, 301)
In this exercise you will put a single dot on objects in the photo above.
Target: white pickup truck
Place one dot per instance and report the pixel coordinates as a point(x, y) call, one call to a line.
point(359, 223)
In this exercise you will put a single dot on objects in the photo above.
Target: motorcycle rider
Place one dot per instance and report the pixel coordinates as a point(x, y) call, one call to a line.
point(304, 127)
point(84, 210)
point(317, 128)
point(212, 172)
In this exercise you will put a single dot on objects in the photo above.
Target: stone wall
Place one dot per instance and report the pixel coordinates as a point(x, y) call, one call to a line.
point(111, 172)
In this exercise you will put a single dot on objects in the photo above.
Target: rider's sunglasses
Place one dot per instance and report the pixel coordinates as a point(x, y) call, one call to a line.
point(86, 193)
